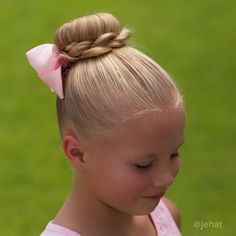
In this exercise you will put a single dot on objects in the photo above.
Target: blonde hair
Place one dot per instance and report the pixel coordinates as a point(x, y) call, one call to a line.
point(107, 82)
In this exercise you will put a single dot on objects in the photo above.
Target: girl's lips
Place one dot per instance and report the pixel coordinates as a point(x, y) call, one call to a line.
point(155, 196)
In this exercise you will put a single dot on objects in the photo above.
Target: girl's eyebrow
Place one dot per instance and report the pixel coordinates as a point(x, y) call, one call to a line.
point(152, 155)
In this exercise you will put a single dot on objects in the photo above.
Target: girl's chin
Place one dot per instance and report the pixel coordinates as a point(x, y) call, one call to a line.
point(147, 207)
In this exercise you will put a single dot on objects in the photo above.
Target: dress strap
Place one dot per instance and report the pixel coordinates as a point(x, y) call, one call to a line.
point(164, 221)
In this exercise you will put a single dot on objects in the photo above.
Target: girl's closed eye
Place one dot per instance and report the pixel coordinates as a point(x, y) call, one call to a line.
point(146, 166)
point(143, 166)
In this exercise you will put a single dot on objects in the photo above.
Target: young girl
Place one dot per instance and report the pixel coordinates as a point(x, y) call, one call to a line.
point(121, 121)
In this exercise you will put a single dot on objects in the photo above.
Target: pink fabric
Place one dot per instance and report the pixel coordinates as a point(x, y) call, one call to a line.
point(161, 217)
point(163, 221)
point(47, 61)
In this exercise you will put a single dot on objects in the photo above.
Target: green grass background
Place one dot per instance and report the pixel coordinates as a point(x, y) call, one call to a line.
point(193, 40)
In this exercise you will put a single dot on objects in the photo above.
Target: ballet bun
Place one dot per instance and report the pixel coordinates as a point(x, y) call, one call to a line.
point(90, 36)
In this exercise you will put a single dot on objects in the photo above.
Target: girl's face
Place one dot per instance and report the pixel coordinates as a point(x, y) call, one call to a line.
point(139, 159)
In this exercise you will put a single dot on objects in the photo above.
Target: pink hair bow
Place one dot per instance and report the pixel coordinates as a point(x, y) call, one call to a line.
point(47, 61)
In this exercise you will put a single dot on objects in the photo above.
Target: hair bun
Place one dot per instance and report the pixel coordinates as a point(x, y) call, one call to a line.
point(90, 36)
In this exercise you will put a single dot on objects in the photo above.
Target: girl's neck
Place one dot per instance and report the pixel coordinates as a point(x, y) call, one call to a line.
point(83, 213)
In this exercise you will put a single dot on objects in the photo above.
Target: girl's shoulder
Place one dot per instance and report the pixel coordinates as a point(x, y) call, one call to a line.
point(174, 211)
point(57, 230)
point(163, 219)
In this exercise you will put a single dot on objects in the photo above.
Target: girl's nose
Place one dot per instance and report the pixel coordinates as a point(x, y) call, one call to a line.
point(163, 179)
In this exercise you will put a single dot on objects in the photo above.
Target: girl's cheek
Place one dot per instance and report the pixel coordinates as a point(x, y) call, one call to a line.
point(137, 183)
point(131, 181)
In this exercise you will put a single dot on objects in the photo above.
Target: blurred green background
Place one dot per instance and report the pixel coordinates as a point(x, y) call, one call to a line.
point(193, 40)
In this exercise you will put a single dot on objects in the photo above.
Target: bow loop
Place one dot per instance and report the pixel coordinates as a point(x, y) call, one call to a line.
point(47, 61)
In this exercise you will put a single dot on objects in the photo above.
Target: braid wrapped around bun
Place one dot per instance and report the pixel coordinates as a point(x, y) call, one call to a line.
point(90, 36)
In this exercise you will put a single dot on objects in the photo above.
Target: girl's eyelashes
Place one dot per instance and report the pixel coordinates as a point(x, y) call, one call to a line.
point(143, 166)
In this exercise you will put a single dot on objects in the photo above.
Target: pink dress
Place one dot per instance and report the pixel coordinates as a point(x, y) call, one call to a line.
point(161, 217)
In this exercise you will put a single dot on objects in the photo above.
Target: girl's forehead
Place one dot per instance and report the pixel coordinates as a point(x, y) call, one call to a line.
point(151, 127)
point(150, 121)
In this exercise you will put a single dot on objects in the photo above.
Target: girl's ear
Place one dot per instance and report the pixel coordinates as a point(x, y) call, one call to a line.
point(73, 150)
